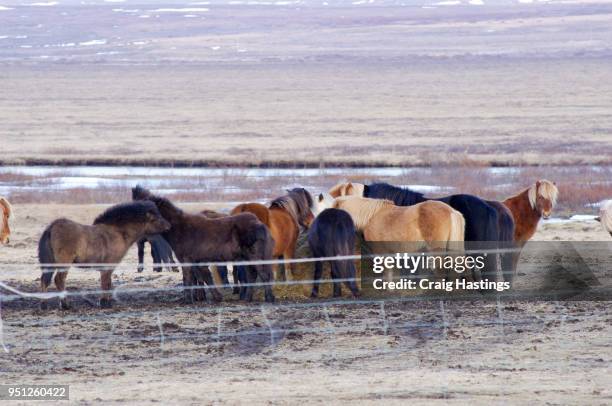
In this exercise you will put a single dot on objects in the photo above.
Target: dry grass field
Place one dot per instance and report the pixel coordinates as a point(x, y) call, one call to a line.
point(238, 85)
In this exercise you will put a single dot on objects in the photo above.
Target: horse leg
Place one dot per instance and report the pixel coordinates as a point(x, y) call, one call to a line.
point(157, 259)
point(241, 272)
point(107, 285)
point(236, 290)
point(207, 277)
point(187, 284)
point(336, 273)
point(251, 278)
point(265, 275)
point(199, 293)
point(222, 269)
point(45, 281)
point(141, 247)
point(351, 274)
point(60, 283)
point(318, 270)
point(288, 255)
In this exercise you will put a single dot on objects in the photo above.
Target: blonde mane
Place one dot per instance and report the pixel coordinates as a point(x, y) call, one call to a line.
point(347, 189)
point(544, 188)
point(361, 209)
point(7, 205)
point(605, 215)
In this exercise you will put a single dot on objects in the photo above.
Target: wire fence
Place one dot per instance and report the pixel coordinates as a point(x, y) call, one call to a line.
point(164, 324)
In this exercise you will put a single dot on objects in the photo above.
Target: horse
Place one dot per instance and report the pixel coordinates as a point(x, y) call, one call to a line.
point(605, 216)
point(333, 234)
point(196, 238)
point(113, 232)
point(481, 220)
point(161, 252)
point(7, 212)
point(527, 208)
point(283, 218)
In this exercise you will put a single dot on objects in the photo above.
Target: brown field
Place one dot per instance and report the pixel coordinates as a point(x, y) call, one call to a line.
point(150, 348)
point(378, 85)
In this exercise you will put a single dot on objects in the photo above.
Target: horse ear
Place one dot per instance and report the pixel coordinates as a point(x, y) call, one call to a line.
point(555, 183)
point(538, 183)
point(320, 197)
point(598, 219)
point(349, 188)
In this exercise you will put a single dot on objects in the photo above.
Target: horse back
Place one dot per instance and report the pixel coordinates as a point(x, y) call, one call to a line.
point(481, 219)
point(259, 210)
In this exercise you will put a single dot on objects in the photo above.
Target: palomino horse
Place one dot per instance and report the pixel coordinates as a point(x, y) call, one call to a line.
point(66, 242)
point(195, 238)
point(527, 208)
point(5, 213)
point(436, 225)
point(333, 234)
point(605, 216)
point(481, 219)
point(283, 218)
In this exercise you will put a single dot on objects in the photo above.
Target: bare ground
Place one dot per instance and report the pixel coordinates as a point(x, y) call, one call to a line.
point(150, 348)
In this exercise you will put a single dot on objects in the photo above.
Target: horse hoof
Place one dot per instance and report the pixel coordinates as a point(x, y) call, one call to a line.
point(236, 291)
point(64, 305)
point(314, 295)
point(44, 305)
point(217, 298)
point(105, 303)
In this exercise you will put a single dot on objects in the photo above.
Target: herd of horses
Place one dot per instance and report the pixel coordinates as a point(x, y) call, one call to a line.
point(256, 233)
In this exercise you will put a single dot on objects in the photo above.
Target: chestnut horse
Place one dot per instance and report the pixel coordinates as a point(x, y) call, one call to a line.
point(196, 238)
point(66, 242)
point(283, 218)
point(5, 213)
point(527, 208)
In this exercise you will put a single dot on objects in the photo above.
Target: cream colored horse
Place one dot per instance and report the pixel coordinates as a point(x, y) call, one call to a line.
point(605, 216)
point(433, 222)
point(5, 213)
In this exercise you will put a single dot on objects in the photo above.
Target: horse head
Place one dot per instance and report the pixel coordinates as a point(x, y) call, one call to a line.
point(323, 201)
point(543, 197)
point(5, 213)
point(347, 189)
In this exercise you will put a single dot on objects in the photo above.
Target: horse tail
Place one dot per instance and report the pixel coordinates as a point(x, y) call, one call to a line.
point(161, 248)
point(457, 231)
point(45, 256)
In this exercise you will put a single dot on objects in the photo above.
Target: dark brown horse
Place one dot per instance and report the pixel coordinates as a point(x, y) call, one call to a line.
point(284, 217)
point(195, 238)
point(5, 213)
point(66, 242)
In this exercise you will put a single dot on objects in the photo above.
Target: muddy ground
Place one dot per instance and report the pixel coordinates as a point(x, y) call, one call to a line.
point(151, 348)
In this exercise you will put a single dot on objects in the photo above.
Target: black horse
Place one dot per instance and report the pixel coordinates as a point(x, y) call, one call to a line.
point(333, 234)
point(505, 239)
point(482, 225)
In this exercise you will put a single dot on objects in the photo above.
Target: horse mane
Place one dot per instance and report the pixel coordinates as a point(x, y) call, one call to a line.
point(9, 210)
point(361, 209)
point(140, 193)
point(544, 188)
point(400, 196)
point(125, 213)
point(298, 202)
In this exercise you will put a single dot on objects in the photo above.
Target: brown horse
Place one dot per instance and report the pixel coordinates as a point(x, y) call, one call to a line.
point(196, 238)
point(66, 242)
point(5, 213)
point(283, 218)
point(527, 208)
